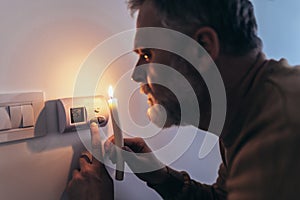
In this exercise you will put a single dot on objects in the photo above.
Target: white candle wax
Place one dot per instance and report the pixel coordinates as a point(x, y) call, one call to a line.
point(119, 142)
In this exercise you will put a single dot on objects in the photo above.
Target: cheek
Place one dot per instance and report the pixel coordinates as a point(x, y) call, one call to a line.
point(163, 79)
point(153, 78)
point(158, 88)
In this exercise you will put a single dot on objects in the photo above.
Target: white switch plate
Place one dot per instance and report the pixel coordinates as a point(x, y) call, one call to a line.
point(32, 104)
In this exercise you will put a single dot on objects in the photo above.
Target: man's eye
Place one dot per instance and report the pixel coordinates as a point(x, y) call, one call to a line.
point(146, 57)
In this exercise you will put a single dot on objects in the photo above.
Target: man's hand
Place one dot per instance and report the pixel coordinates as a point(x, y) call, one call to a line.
point(91, 182)
point(140, 159)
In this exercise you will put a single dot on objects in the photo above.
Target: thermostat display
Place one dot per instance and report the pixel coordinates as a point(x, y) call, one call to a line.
point(77, 115)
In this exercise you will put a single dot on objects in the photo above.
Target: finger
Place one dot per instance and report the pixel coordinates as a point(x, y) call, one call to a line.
point(95, 135)
point(141, 162)
point(97, 149)
point(76, 175)
point(110, 149)
point(130, 141)
point(95, 141)
point(96, 162)
point(109, 142)
point(87, 156)
point(74, 184)
point(112, 154)
point(129, 156)
point(99, 167)
point(84, 162)
point(137, 145)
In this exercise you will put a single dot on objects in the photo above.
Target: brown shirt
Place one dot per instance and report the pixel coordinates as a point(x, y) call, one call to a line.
point(260, 144)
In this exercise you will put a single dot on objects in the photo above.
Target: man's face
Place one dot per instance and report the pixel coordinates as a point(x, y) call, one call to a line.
point(149, 74)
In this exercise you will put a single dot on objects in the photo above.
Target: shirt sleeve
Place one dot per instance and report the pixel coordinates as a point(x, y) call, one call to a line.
point(179, 186)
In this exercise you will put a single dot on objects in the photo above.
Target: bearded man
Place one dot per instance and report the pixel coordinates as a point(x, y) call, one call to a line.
point(260, 141)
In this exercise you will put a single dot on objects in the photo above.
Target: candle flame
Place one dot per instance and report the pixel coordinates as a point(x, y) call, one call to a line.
point(110, 91)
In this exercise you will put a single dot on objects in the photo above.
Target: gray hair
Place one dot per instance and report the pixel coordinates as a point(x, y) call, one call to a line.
point(233, 20)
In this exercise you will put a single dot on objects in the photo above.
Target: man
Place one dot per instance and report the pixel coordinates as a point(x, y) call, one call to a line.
point(260, 141)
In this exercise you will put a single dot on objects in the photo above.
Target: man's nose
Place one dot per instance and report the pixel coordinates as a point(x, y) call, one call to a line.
point(139, 74)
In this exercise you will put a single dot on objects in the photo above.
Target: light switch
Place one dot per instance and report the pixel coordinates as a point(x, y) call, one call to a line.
point(4, 119)
point(18, 116)
point(15, 116)
point(27, 116)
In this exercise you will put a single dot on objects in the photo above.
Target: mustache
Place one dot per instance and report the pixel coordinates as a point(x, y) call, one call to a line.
point(145, 88)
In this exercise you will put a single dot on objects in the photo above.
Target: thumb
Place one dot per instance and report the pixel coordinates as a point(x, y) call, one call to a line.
point(141, 162)
point(131, 158)
point(137, 145)
point(129, 155)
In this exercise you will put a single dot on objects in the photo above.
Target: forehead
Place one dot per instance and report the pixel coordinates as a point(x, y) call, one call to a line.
point(148, 17)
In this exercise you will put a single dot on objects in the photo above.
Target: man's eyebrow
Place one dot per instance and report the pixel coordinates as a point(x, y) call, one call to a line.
point(141, 50)
point(137, 51)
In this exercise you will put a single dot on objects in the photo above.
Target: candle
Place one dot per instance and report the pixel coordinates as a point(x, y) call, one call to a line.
point(119, 142)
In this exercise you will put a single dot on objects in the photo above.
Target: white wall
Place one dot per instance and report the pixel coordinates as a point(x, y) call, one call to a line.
point(43, 44)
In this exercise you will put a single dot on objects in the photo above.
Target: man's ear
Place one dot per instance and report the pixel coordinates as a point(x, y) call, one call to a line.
point(209, 40)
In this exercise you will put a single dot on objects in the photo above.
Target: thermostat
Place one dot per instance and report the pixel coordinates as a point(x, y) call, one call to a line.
point(75, 113)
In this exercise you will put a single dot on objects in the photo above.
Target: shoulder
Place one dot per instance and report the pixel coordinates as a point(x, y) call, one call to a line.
point(273, 106)
point(274, 103)
point(266, 159)
point(285, 80)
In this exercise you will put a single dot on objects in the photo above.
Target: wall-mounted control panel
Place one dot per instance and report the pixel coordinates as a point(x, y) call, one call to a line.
point(20, 116)
point(75, 113)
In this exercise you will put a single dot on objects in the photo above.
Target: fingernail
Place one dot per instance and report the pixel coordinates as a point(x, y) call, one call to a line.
point(107, 146)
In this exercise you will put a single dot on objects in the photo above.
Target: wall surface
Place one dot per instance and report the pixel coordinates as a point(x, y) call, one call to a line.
point(44, 43)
